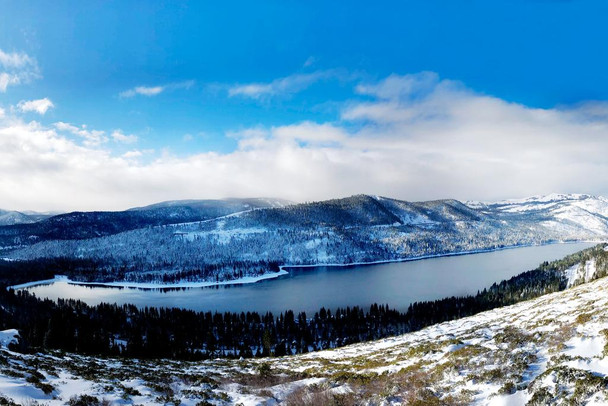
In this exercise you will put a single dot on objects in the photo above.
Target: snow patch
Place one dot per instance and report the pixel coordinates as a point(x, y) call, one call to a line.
point(8, 336)
point(586, 347)
point(581, 273)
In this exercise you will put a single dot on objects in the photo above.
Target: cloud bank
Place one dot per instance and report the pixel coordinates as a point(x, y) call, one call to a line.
point(414, 137)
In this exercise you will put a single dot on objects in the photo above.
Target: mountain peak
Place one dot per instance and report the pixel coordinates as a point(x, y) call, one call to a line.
point(12, 217)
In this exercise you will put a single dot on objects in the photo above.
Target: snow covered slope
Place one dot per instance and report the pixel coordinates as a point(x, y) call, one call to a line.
point(567, 212)
point(551, 350)
point(543, 202)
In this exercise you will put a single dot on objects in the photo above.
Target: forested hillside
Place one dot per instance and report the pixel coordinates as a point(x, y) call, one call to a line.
point(85, 225)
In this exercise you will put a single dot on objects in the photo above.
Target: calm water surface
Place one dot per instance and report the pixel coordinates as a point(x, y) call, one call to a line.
point(307, 289)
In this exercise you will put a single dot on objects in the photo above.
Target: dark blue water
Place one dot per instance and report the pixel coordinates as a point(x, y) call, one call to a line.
point(307, 289)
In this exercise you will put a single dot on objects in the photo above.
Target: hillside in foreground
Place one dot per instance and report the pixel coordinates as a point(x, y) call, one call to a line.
point(551, 350)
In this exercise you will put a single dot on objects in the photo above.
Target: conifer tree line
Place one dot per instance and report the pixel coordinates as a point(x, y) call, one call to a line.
point(90, 270)
point(125, 330)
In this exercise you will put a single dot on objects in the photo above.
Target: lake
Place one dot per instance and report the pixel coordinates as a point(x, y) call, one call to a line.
point(308, 289)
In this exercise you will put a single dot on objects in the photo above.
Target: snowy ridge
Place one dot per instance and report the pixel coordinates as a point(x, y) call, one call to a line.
point(86, 225)
point(593, 204)
point(537, 199)
point(560, 211)
point(244, 203)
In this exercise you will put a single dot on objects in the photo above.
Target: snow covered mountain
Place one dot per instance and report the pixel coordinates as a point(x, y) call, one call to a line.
point(566, 212)
point(8, 217)
point(542, 202)
point(211, 239)
point(82, 225)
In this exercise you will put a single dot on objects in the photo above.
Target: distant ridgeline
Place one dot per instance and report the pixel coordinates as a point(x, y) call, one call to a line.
point(209, 240)
point(174, 333)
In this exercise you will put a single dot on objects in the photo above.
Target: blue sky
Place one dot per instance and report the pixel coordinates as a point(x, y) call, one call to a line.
point(174, 84)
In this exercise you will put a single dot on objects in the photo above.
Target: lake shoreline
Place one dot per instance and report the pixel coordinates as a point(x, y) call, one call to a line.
point(267, 276)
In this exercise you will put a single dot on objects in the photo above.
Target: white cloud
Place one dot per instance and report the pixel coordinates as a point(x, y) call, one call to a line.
point(282, 86)
point(119, 136)
point(92, 138)
point(143, 90)
point(6, 80)
point(40, 106)
point(155, 90)
point(431, 139)
point(15, 60)
point(16, 68)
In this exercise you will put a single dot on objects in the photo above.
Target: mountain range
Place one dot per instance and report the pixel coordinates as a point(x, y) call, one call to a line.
point(201, 239)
